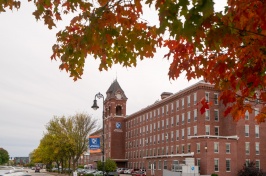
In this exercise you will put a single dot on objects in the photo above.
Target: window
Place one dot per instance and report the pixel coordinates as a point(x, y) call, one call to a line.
point(158, 125)
point(228, 148)
point(183, 148)
point(165, 164)
point(162, 110)
point(154, 139)
point(147, 128)
point(247, 130)
point(207, 114)
point(195, 131)
point(257, 164)
point(183, 103)
point(207, 129)
point(162, 137)
point(188, 116)
point(188, 131)
point(154, 126)
point(207, 96)
point(158, 138)
point(195, 114)
point(172, 136)
point(166, 137)
point(158, 112)
point(150, 128)
point(167, 123)
point(167, 109)
point(257, 148)
point(177, 135)
point(228, 165)
point(216, 165)
point(247, 162)
point(216, 115)
point(162, 124)
point(246, 115)
point(172, 121)
point(188, 148)
point(177, 119)
point(188, 101)
point(159, 164)
point(172, 107)
point(216, 97)
point(174, 165)
point(172, 150)
point(195, 98)
point(247, 148)
point(183, 118)
point(198, 147)
point(177, 149)
point(216, 147)
point(257, 131)
point(177, 105)
point(216, 130)
point(183, 133)
point(198, 163)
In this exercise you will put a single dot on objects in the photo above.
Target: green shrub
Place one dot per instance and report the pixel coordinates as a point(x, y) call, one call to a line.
point(214, 174)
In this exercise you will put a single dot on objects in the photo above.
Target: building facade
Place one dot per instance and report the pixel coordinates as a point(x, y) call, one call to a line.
point(161, 135)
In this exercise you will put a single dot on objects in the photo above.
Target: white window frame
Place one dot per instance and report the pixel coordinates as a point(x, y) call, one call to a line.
point(257, 131)
point(247, 148)
point(207, 130)
point(228, 165)
point(246, 130)
point(216, 147)
point(216, 167)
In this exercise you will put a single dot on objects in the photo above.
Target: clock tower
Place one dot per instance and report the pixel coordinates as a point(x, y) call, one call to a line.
point(115, 114)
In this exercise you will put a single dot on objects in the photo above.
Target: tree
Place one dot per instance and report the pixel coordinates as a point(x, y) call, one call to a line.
point(4, 156)
point(109, 165)
point(250, 169)
point(224, 48)
point(66, 140)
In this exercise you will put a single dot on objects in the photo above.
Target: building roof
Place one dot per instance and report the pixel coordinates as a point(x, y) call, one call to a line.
point(113, 89)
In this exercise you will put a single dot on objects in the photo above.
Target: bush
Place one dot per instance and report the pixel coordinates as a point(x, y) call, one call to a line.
point(250, 169)
point(214, 174)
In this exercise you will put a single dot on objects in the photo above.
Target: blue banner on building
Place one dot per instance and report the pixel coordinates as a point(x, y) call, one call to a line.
point(94, 143)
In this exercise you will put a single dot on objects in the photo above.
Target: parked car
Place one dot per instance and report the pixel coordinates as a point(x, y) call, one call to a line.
point(128, 171)
point(139, 173)
point(37, 169)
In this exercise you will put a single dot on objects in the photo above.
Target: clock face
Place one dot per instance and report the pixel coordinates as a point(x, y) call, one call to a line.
point(118, 96)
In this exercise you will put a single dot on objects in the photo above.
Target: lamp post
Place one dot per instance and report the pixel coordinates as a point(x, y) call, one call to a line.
point(206, 150)
point(95, 107)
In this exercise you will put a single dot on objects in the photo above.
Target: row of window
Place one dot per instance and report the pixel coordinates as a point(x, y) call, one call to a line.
point(180, 149)
point(159, 165)
point(164, 124)
point(228, 164)
point(169, 108)
point(172, 136)
point(257, 148)
point(257, 131)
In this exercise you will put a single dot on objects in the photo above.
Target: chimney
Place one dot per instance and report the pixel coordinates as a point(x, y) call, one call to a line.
point(165, 95)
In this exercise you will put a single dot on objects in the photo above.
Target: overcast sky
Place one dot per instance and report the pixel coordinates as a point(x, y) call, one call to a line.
point(33, 90)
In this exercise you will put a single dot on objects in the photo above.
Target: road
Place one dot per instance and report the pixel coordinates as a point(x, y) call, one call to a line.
point(44, 173)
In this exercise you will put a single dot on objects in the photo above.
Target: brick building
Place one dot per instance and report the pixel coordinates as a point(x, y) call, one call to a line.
point(163, 134)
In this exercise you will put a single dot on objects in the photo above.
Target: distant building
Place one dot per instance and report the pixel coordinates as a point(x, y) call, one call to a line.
point(163, 134)
point(21, 161)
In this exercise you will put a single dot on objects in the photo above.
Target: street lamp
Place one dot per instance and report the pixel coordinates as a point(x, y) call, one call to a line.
point(95, 107)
